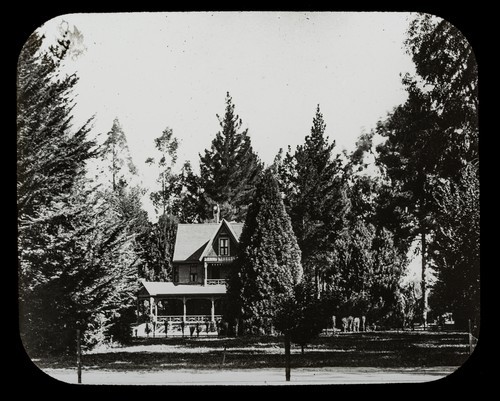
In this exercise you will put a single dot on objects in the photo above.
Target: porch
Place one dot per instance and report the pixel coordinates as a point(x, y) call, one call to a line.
point(161, 302)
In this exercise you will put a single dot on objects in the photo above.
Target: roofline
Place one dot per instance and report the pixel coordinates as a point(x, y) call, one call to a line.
point(197, 224)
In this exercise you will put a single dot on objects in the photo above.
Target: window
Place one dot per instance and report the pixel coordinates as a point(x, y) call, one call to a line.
point(176, 274)
point(193, 274)
point(224, 246)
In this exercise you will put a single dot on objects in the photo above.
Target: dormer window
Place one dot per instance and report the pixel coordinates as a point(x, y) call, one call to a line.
point(223, 246)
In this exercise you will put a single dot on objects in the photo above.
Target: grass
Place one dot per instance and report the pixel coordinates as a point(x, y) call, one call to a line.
point(373, 349)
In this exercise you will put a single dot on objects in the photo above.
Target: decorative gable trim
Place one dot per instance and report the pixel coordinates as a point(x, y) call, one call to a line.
point(224, 223)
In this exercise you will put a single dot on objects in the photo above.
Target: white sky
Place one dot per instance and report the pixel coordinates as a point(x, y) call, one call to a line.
point(153, 70)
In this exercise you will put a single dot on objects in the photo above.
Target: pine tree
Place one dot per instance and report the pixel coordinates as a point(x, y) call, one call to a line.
point(229, 170)
point(268, 262)
point(312, 183)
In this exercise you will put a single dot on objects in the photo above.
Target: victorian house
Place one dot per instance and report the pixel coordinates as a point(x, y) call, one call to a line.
point(204, 255)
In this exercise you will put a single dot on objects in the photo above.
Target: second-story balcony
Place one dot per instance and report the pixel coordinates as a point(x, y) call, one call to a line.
point(219, 259)
point(216, 281)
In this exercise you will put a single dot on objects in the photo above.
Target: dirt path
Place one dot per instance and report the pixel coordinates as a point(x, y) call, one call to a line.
point(273, 376)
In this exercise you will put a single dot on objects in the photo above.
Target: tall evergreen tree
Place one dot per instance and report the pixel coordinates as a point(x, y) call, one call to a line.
point(268, 262)
point(76, 255)
point(70, 275)
point(311, 180)
point(434, 135)
point(50, 154)
point(230, 169)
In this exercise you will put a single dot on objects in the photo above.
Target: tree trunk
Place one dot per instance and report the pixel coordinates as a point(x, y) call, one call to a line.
point(423, 282)
point(317, 283)
point(287, 357)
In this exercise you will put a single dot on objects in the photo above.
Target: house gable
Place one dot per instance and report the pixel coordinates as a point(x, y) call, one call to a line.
point(224, 242)
point(195, 241)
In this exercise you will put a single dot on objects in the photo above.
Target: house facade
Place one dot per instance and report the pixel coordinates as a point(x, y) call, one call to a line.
point(204, 255)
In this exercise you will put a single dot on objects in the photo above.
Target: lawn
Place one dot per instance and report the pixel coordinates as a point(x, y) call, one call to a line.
point(371, 349)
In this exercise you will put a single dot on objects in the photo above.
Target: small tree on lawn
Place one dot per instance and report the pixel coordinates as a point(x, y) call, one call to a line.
point(303, 315)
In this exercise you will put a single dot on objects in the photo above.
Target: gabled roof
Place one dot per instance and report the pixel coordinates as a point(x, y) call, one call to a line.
point(209, 247)
point(193, 241)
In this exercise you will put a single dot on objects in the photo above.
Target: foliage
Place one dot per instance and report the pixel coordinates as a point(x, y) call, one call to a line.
point(166, 145)
point(76, 259)
point(230, 169)
point(456, 248)
point(188, 205)
point(446, 65)
point(123, 197)
point(156, 244)
point(311, 182)
point(348, 249)
point(116, 154)
point(268, 262)
point(433, 136)
point(51, 154)
point(303, 316)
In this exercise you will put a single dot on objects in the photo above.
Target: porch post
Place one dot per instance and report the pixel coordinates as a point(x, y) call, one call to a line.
point(184, 308)
point(213, 309)
point(151, 301)
point(205, 275)
point(137, 308)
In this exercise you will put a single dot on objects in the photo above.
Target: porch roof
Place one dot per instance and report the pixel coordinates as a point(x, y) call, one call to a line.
point(161, 288)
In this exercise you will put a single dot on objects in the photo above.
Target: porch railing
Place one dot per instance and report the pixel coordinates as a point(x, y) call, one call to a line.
point(216, 281)
point(189, 318)
point(223, 259)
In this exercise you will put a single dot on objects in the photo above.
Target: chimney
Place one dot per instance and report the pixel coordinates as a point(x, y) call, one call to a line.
point(216, 213)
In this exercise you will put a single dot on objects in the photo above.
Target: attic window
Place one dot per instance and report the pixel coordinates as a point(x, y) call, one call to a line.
point(224, 246)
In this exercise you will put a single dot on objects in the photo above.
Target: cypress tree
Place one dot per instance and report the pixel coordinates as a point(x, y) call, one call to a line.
point(268, 262)
point(76, 257)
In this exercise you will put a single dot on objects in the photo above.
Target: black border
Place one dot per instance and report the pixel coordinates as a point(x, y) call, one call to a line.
point(27, 378)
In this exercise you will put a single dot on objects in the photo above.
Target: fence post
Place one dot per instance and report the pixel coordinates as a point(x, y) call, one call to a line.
point(224, 354)
point(287, 356)
point(78, 356)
